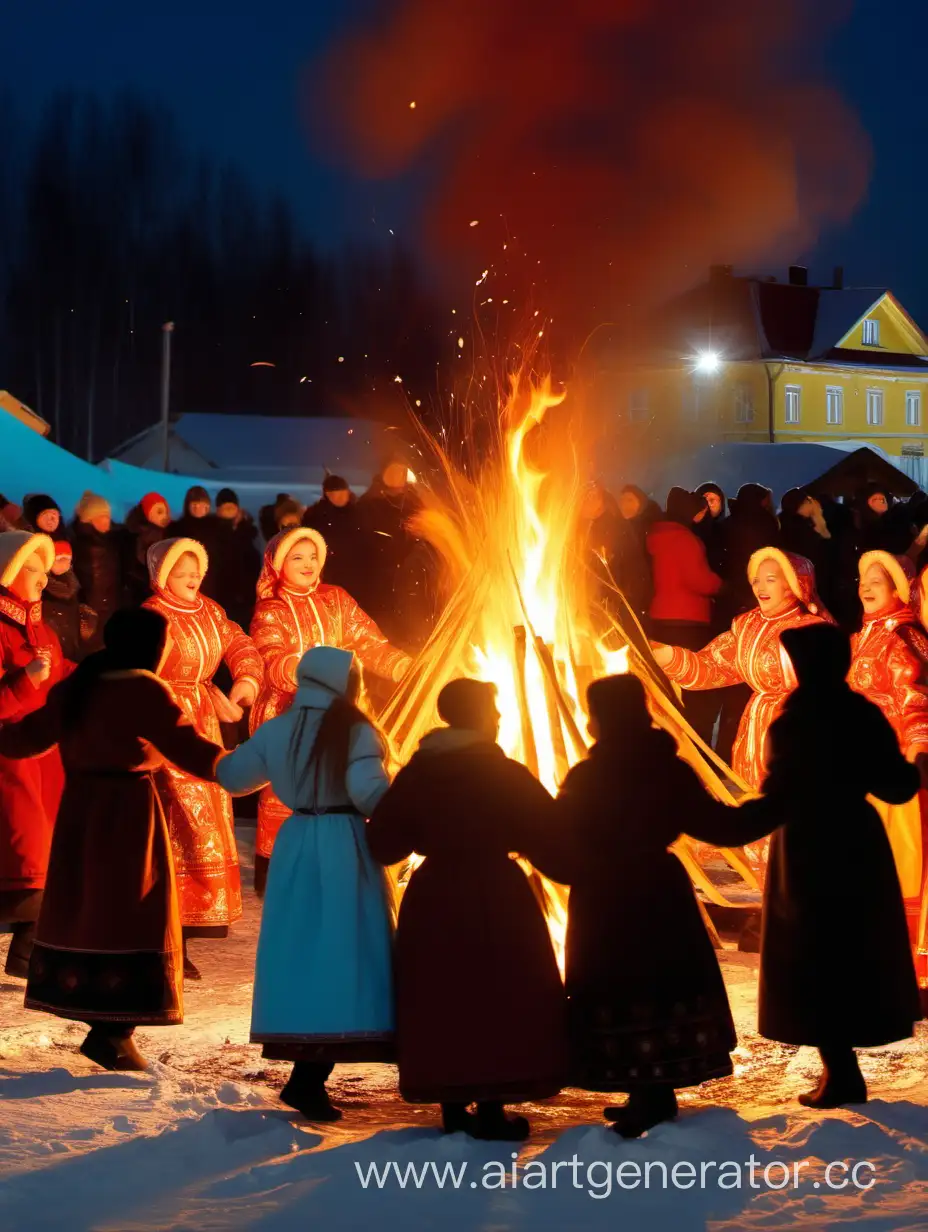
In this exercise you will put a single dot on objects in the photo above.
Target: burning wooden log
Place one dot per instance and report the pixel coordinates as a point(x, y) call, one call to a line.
point(529, 750)
point(552, 688)
point(551, 681)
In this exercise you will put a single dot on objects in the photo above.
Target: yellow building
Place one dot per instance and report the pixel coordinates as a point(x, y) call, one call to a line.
point(749, 359)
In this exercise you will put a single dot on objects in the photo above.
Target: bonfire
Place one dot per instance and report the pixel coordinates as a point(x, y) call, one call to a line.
point(526, 612)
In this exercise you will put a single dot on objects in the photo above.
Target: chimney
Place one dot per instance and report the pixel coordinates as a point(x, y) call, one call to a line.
point(798, 276)
point(721, 273)
point(837, 278)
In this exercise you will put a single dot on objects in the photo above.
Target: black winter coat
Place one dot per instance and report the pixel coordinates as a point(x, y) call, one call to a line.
point(99, 561)
point(646, 999)
point(479, 1001)
point(62, 611)
point(386, 545)
point(140, 536)
point(743, 533)
point(216, 536)
point(240, 576)
point(346, 559)
point(836, 963)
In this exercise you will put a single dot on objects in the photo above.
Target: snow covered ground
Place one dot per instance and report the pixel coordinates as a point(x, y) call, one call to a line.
point(202, 1142)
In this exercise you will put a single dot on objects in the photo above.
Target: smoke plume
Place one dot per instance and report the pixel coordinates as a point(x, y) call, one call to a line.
point(620, 145)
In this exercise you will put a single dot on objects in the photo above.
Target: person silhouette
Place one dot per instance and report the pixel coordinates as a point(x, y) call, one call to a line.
point(836, 967)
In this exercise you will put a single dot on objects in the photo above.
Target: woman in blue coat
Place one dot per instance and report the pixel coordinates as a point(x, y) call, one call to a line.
point(323, 982)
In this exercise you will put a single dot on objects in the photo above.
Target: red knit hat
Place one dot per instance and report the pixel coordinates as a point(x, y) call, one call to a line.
point(149, 501)
point(63, 548)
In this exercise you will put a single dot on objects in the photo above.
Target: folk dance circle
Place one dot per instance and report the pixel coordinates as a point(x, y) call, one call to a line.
point(117, 840)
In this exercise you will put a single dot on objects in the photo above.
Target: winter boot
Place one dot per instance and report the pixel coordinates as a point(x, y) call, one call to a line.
point(749, 939)
point(20, 951)
point(191, 970)
point(645, 1108)
point(455, 1119)
point(305, 1092)
point(494, 1126)
point(113, 1049)
point(841, 1081)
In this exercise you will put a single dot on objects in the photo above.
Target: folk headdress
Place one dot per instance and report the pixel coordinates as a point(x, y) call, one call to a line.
point(900, 570)
point(163, 556)
point(276, 553)
point(16, 546)
point(799, 573)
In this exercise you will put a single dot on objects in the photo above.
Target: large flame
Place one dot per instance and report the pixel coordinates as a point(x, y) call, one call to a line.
point(523, 612)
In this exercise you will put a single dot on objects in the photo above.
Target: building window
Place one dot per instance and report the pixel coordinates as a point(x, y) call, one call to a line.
point(744, 404)
point(793, 404)
point(871, 333)
point(834, 404)
point(638, 404)
point(874, 407)
point(913, 409)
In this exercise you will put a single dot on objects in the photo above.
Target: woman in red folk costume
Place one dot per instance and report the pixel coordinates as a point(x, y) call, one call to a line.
point(200, 637)
point(750, 652)
point(295, 612)
point(30, 791)
point(890, 667)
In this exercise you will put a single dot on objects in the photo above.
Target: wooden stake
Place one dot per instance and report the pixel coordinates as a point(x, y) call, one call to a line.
point(554, 718)
point(529, 751)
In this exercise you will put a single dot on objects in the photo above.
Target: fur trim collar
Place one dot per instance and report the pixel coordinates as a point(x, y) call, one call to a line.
point(453, 740)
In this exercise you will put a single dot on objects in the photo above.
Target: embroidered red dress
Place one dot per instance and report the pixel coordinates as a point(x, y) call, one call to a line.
point(890, 667)
point(750, 652)
point(199, 814)
point(30, 791)
point(285, 625)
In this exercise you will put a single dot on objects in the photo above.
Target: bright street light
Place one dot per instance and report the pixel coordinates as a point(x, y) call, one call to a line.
point(708, 362)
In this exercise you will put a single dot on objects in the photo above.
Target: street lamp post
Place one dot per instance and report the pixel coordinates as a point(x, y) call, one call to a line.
point(167, 331)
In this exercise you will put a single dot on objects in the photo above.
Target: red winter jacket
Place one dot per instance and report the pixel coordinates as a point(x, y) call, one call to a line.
point(30, 790)
point(683, 582)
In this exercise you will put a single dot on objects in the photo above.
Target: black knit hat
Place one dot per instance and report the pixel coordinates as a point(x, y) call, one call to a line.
point(683, 506)
point(196, 493)
point(335, 483)
point(226, 496)
point(34, 506)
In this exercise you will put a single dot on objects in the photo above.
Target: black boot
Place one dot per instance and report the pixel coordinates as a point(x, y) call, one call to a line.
point(305, 1092)
point(841, 1082)
point(749, 938)
point(455, 1119)
point(112, 1047)
point(20, 951)
point(191, 970)
point(494, 1126)
point(646, 1108)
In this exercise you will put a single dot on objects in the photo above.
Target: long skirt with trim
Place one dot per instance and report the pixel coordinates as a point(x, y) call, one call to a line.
point(108, 939)
point(323, 978)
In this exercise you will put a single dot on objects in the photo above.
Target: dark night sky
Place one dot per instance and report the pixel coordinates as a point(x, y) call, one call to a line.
point(231, 70)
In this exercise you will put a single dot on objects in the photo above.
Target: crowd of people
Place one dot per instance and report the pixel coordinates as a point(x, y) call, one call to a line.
point(119, 762)
point(102, 566)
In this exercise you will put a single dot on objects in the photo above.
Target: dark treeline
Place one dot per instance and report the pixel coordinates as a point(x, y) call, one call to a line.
point(110, 226)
